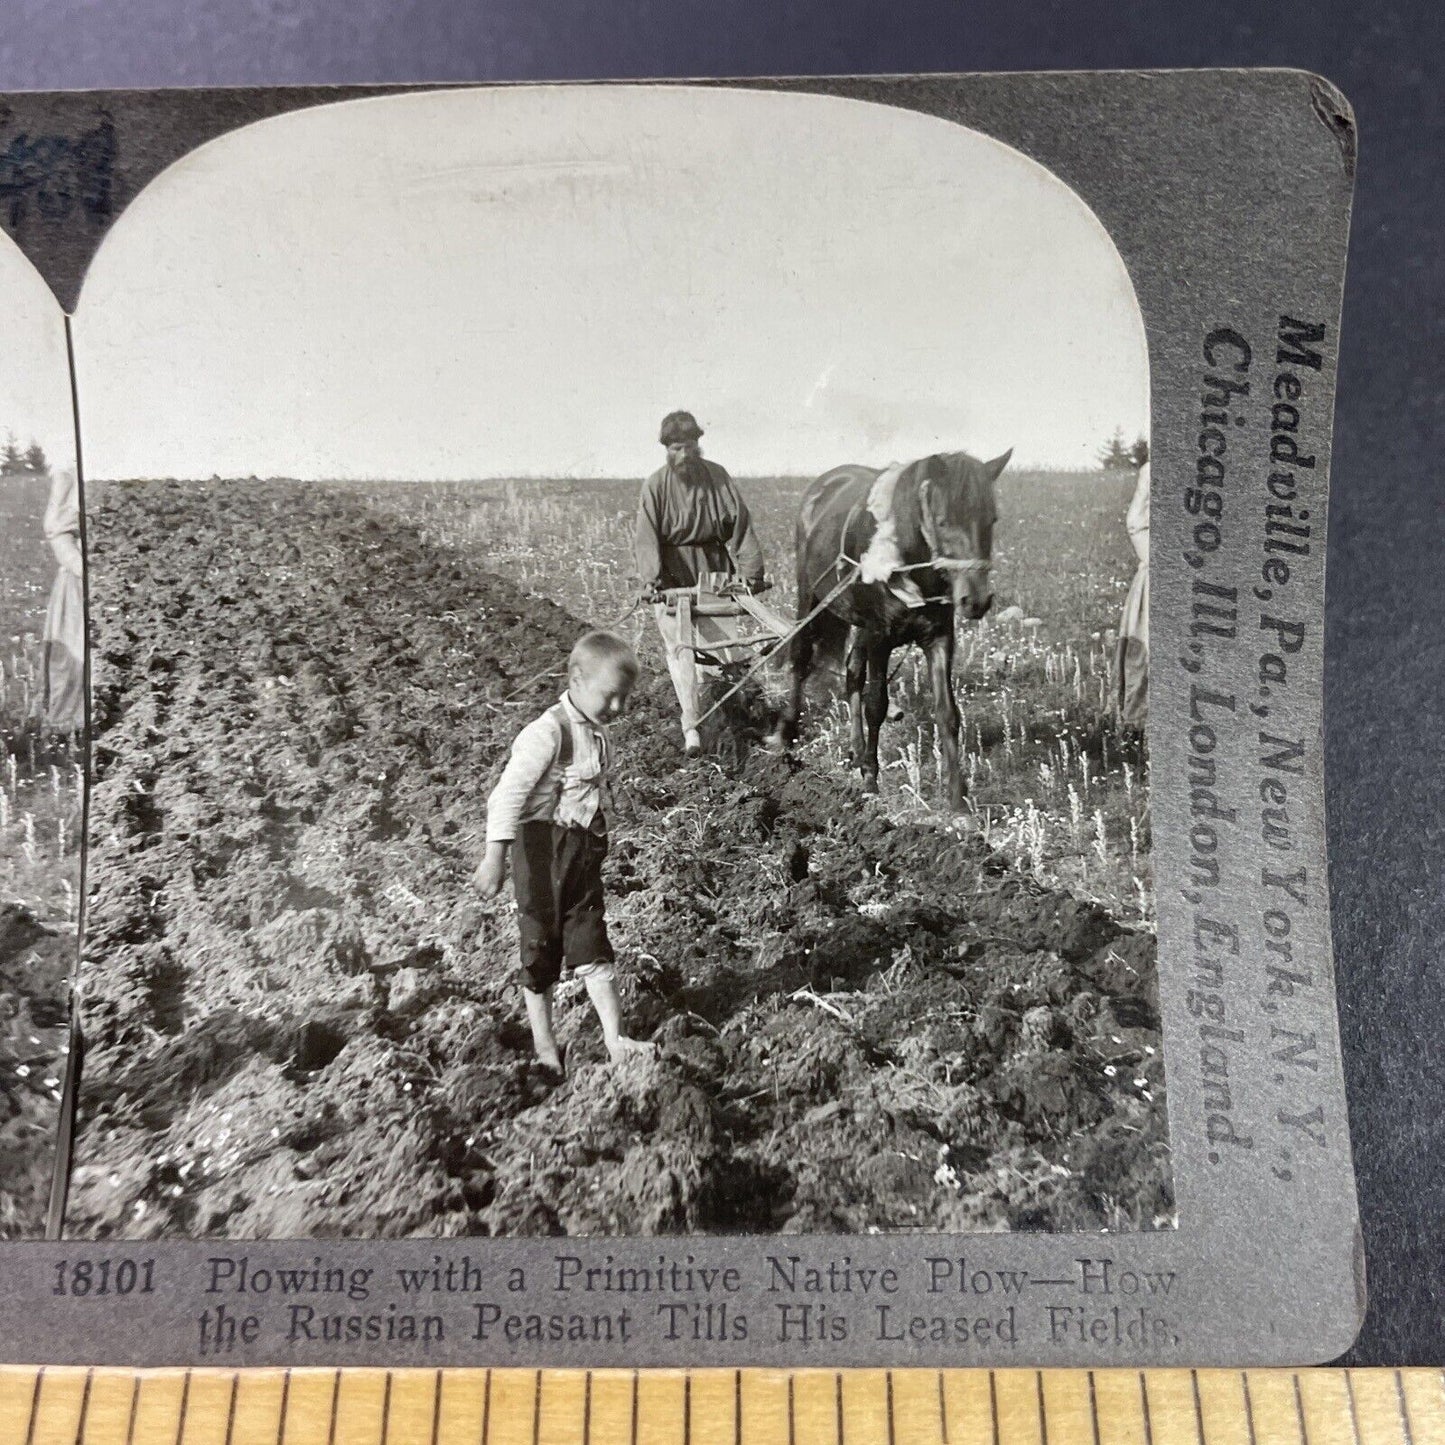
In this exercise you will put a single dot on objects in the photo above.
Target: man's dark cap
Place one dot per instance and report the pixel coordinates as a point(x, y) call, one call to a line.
point(679, 426)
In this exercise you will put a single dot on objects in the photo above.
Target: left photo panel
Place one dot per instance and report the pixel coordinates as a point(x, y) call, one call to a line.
point(42, 731)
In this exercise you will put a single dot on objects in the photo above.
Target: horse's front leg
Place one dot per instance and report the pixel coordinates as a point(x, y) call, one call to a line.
point(945, 714)
point(875, 707)
point(857, 678)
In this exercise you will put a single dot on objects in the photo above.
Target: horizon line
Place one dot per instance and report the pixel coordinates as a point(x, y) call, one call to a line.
point(541, 477)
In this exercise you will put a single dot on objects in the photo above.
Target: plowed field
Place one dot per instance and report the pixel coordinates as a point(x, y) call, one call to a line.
point(300, 1022)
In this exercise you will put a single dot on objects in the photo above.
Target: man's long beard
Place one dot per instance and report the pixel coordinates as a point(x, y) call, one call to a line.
point(691, 469)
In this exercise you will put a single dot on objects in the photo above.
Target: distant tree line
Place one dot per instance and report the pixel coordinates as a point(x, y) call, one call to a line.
point(28, 463)
point(1116, 455)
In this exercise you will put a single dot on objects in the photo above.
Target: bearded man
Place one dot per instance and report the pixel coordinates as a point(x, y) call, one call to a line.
point(692, 526)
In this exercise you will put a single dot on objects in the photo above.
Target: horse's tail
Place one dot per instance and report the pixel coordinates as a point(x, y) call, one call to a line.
point(820, 537)
point(827, 633)
point(830, 640)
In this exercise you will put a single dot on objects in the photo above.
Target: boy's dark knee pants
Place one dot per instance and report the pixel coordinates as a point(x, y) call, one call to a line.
point(557, 881)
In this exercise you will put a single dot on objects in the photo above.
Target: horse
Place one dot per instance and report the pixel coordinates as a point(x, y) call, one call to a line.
point(941, 520)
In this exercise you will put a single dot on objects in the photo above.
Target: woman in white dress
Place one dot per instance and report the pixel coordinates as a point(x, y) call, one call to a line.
point(64, 636)
point(1132, 660)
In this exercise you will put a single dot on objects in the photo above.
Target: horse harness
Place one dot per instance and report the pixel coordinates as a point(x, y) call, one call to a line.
point(936, 561)
point(848, 570)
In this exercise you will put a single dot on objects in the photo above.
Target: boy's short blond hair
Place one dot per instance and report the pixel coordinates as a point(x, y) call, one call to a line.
point(597, 649)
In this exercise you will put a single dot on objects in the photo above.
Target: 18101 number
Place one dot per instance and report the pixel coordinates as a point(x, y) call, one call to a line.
point(83, 1277)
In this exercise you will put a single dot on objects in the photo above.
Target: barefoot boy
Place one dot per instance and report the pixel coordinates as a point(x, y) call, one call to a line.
point(546, 811)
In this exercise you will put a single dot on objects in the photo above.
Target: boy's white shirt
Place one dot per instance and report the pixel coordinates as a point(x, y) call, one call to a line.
point(535, 788)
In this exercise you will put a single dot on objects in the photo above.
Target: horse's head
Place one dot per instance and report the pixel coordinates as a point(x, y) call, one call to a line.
point(957, 511)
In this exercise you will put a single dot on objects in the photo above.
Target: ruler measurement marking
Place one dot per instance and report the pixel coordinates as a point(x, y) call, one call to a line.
point(285, 1399)
point(1353, 1406)
point(335, 1402)
point(1405, 1429)
point(34, 1405)
point(185, 1405)
point(231, 1407)
point(84, 1405)
point(134, 1406)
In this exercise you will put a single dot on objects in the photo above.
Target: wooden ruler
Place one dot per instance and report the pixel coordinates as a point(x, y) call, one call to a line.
point(69, 1406)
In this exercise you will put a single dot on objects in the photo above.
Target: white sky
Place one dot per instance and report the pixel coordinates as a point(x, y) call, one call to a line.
point(34, 373)
point(522, 281)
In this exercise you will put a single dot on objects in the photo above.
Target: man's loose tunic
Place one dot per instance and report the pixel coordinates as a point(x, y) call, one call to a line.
point(686, 528)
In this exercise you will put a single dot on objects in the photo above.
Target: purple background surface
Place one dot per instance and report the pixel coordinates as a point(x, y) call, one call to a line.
point(1385, 690)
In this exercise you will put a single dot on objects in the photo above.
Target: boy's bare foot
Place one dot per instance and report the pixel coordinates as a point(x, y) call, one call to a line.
point(626, 1048)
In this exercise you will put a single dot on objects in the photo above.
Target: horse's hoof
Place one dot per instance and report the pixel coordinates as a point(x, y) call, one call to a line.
point(777, 744)
point(692, 743)
point(870, 784)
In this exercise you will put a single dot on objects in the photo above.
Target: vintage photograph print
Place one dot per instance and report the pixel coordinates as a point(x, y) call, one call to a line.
point(618, 682)
point(42, 721)
point(702, 724)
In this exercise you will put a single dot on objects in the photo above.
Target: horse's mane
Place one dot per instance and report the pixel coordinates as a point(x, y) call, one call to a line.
point(965, 490)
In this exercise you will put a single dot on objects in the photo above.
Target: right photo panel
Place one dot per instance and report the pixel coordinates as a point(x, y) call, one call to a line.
point(620, 625)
